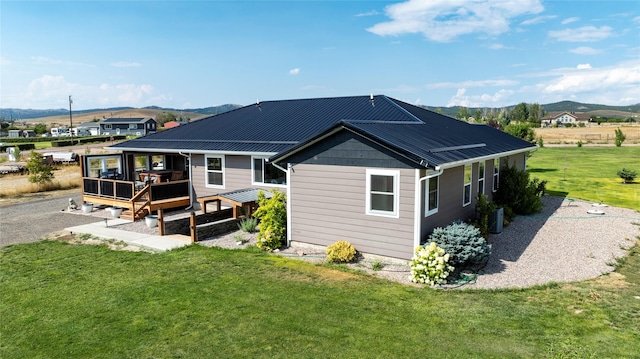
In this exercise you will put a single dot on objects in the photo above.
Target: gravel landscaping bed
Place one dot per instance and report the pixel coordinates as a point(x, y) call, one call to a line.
point(563, 243)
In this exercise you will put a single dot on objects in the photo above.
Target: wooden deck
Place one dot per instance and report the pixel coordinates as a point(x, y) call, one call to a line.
point(136, 202)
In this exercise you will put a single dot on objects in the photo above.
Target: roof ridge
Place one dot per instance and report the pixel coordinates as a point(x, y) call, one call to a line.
point(402, 109)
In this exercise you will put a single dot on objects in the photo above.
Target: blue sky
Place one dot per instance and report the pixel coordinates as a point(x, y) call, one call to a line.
point(187, 54)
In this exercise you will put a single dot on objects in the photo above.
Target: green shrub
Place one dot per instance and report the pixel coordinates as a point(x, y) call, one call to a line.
point(627, 175)
point(620, 137)
point(39, 172)
point(273, 220)
point(341, 252)
point(248, 224)
point(521, 130)
point(540, 142)
point(429, 265)
point(579, 143)
point(484, 209)
point(519, 193)
point(463, 242)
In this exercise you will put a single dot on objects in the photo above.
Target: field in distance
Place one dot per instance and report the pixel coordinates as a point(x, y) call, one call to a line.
point(63, 120)
point(591, 134)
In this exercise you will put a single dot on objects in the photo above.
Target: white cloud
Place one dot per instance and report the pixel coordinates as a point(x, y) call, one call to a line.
point(582, 34)
point(583, 66)
point(538, 20)
point(614, 85)
point(585, 50)
point(294, 71)
point(497, 99)
point(569, 20)
point(445, 20)
point(126, 64)
point(51, 91)
point(368, 13)
point(498, 47)
point(43, 60)
point(4, 61)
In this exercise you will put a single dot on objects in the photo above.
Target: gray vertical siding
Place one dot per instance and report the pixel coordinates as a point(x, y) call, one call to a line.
point(329, 204)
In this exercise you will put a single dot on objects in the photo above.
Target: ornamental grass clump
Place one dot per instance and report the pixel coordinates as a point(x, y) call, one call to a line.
point(429, 265)
point(341, 252)
point(463, 242)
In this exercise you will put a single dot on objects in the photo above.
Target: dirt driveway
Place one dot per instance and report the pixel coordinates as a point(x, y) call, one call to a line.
point(31, 220)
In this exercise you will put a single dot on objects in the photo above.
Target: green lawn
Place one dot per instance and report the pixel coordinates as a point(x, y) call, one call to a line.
point(76, 301)
point(589, 173)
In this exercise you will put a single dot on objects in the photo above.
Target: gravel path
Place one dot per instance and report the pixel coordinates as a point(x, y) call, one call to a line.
point(563, 243)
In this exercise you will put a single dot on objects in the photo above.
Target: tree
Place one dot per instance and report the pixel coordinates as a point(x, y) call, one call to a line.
point(39, 172)
point(477, 115)
point(40, 128)
point(627, 175)
point(535, 114)
point(520, 113)
point(620, 137)
point(165, 117)
point(463, 113)
point(521, 130)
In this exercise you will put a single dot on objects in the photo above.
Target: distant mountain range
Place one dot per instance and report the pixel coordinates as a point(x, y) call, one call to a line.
point(569, 106)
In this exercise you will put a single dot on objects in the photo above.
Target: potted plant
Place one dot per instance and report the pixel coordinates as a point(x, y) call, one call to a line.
point(87, 207)
point(151, 221)
point(115, 212)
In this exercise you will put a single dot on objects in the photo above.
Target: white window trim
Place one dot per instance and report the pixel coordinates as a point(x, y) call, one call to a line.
point(496, 175)
point(465, 184)
point(482, 179)
point(264, 163)
point(206, 171)
point(427, 212)
point(107, 126)
point(396, 193)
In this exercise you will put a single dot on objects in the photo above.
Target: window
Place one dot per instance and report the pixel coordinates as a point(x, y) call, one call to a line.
point(496, 174)
point(107, 126)
point(214, 176)
point(466, 196)
point(431, 195)
point(382, 192)
point(133, 126)
point(266, 173)
point(481, 177)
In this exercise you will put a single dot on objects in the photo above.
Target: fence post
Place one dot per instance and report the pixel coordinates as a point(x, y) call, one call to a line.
point(160, 222)
point(192, 227)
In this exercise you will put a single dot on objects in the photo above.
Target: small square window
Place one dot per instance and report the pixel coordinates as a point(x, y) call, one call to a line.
point(382, 192)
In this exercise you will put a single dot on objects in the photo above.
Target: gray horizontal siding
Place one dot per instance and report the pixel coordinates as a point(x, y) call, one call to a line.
point(329, 204)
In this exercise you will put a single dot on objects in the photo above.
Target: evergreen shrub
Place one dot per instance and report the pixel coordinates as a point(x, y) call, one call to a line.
point(272, 214)
point(463, 242)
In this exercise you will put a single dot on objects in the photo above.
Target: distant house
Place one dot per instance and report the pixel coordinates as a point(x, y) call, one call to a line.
point(564, 118)
point(89, 129)
point(128, 126)
point(172, 124)
point(375, 171)
point(15, 133)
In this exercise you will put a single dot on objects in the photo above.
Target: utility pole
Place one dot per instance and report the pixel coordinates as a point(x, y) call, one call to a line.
point(70, 120)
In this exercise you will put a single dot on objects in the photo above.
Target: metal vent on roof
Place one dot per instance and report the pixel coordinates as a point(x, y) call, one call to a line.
point(456, 148)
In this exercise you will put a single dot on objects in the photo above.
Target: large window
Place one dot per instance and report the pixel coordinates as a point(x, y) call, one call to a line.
point(481, 177)
point(467, 185)
point(214, 171)
point(496, 174)
point(431, 195)
point(266, 173)
point(382, 192)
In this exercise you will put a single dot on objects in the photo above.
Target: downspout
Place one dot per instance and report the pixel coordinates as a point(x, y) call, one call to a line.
point(288, 172)
point(190, 179)
point(417, 225)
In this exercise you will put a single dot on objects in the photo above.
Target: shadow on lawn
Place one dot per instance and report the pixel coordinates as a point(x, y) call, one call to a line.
point(509, 245)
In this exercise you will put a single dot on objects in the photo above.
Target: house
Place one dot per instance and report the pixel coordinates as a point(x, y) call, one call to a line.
point(564, 118)
point(172, 124)
point(15, 133)
point(88, 129)
point(375, 171)
point(128, 126)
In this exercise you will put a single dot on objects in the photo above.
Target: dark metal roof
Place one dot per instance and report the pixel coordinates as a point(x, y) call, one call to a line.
point(284, 127)
point(253, 128)
point(126, 120)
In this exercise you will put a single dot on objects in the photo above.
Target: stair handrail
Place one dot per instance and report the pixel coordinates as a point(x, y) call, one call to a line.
point(135, 199)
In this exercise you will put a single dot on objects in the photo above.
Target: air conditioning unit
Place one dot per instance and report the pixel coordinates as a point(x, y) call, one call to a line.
point(496, 221)
point(138, 133)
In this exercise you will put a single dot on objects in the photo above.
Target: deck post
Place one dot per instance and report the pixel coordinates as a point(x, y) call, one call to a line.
point(192, 227)
point(160, 222)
